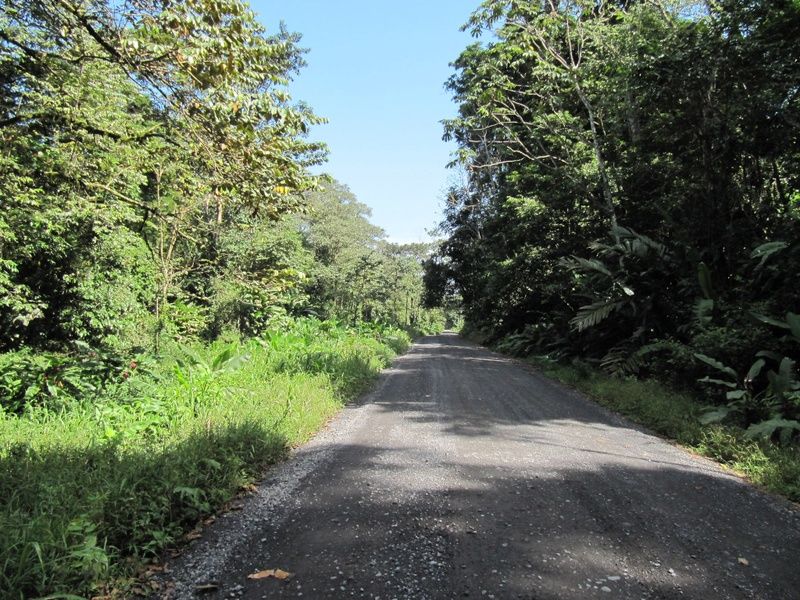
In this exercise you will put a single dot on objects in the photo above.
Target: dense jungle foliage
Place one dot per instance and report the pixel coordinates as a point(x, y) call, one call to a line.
point(631, 194)
point(181, 300)
point(154, 183)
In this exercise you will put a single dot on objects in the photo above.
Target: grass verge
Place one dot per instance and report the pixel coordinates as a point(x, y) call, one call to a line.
point(90, 491)
point(675, 416)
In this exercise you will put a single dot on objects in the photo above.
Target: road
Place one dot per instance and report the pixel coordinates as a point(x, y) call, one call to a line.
point(465, 474)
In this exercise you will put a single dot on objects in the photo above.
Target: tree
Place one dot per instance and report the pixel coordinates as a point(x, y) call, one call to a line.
point(139, 121)
point(614, 151)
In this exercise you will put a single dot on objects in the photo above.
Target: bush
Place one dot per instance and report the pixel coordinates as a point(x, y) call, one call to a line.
point(92, 486)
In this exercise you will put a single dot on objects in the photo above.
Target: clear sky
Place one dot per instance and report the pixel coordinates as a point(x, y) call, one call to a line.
point(376, 70)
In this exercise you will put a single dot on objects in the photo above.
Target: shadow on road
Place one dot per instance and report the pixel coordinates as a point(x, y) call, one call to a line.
point(473, 477)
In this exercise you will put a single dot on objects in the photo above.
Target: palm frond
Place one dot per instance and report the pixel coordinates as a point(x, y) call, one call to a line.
point(592, 314)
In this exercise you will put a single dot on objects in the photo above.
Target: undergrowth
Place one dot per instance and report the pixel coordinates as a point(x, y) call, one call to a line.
point(94, 484)
point(677, 416)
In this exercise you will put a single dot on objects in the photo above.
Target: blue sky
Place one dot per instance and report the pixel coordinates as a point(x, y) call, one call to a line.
point(376, 70)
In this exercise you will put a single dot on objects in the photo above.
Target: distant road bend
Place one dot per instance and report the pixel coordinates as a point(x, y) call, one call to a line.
point(466, 474)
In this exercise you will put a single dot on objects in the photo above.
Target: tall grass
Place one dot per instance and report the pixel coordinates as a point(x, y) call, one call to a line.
point(89, 491)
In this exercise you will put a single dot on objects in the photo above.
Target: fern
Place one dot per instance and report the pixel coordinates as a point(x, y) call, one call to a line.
point(586, 264)
point(592, 314)
point(624, 360)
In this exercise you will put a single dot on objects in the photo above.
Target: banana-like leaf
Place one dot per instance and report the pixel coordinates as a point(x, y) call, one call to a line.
point(775, 383)
point(221, 358)
point(768, 320)
point(729, 384)
point(793, 321)
point(764, 251)
point(236, 362)
point(765, 429)
point(715, 416)
point(755, 369)
point(770, 355)
point(716, 364)
point(704, 278)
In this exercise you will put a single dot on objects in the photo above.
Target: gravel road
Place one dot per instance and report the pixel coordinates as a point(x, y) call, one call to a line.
point(466, 474)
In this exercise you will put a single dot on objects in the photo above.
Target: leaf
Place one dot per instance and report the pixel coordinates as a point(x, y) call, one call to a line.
point(793, 321)
point(715, 416)
point(221, 358)
point(768, 320)
point(194, 358)
point(765, 429)
point(271, 573)
point(755, 369)
point(703, 309)
point(588, 265)
point(236, 362)
point(735, 395)
point(716, 364)
point(764, 251)
point(786, 368)
point(729, 384)
point(592, 314)
point(770, 355)
point(704, 278)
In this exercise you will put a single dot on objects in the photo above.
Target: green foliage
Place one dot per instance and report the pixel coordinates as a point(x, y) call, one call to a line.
point(91, 487)
point(54, 382)
point(140, 142)
point(356, 275)
point(160, 234)
point(630, 171)
point(677, 416)
point(767, 400)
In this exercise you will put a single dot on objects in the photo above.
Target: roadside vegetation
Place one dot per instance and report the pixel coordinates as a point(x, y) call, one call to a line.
point(631, 201)
point(94, 482)
point(181, 300)
point(679, 416)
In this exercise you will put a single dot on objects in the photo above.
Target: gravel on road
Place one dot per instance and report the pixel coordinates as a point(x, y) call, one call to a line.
point(466, 474)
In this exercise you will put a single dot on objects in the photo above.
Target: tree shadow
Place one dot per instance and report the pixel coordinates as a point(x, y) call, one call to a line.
point(369, 526)
point(486, 480)
point(474, 392)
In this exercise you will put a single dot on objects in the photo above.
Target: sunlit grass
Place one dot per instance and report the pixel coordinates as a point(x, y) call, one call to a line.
point(89, 492)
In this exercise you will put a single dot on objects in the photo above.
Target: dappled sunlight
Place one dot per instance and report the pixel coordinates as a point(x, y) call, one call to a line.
point(575, 530)
point(444, 479)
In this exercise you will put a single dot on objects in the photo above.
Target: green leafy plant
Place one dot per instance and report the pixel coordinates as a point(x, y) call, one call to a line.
point(767, 400)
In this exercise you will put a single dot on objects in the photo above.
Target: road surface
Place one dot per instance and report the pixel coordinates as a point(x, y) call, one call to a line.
point(465, 474)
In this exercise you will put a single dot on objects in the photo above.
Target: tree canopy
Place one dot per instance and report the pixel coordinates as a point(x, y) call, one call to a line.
point(633, 188)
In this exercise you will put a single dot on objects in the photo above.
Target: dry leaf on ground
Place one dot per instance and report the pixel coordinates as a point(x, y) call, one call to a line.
point(275, 573)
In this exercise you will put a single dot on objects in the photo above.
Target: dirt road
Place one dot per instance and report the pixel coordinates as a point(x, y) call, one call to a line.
point(465, 474)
